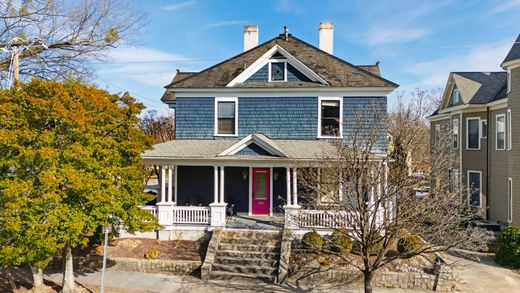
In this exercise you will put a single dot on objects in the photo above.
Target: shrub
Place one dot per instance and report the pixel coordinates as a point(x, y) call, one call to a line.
point(312, 241)
point(340, 241)
point(377, 245)
point(152, 253)
point(99, 250)
point(409, 244)
point(508, 253)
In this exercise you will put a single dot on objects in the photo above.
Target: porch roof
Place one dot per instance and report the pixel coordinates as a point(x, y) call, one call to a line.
point(212, 150)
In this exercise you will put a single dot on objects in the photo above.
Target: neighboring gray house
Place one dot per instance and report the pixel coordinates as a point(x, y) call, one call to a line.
point(481, 112)
point(243, 125)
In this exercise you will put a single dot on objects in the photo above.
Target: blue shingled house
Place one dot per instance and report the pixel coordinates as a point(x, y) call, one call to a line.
point(243, 125)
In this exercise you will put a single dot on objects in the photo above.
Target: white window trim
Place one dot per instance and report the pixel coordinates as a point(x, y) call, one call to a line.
point(340, 99)
point(509, 200)
point(508, 80)
point(269, 69)
point(480, 188)
point(217, 100)
point(453, 133)
point(467, 133)
point(509, 131)
point(482, 134)
point(496, 131)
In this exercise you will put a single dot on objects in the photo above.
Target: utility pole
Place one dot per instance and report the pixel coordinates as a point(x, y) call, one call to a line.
point(16, 65)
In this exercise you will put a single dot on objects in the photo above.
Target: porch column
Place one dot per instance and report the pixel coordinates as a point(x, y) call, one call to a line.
point(215, 184)
point(163, 184)
point(170, 184)
point(221, 184)
point(288, 183)
point(218, 207)
point(295, 188)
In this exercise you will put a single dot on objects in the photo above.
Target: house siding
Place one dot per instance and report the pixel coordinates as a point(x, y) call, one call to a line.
point(280, 117)
point(498, 173)
point(260, 76)
point(514, 154)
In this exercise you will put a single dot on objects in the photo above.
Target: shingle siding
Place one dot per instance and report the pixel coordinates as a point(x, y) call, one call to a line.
point(281, 117)
point(194, 118)
point(293, 75)
point(260, 76)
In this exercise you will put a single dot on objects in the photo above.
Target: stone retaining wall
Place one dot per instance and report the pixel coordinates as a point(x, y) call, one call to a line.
point(175, 267)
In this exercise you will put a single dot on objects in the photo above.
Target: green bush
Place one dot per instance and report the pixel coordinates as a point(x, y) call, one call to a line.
point(312, 241)
point(340, 241)
point(377, 245)
point(409, 244)
point(508, 253)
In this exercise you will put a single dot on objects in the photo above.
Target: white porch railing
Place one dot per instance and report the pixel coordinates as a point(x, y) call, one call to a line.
point(151, 209)
point(191, 215)
point(319, 219)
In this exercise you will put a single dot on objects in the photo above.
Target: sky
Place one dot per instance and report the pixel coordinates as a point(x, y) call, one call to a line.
point(417, 42)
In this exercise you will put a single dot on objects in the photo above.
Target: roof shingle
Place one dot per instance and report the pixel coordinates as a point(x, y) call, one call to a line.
point(514, 53)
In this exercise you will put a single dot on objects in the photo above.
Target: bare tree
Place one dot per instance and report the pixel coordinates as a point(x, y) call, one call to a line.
point(160, 127)
point(69, 34)
point(381, 206)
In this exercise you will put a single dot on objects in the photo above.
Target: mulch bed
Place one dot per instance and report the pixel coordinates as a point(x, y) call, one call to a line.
point(173, 250)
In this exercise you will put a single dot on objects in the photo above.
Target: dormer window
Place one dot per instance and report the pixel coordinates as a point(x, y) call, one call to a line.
point(455, 96)
point(277, 71)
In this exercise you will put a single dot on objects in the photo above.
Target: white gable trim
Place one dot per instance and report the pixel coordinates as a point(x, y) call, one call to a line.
point(252, 138)
point(260, 62)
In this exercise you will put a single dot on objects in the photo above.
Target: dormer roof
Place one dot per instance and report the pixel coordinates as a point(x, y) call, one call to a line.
point(514, 53)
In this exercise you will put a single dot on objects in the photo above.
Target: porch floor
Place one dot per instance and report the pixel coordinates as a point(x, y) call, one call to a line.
point(255, 222)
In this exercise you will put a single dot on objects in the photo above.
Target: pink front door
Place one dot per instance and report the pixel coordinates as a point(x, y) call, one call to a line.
point(261, 193)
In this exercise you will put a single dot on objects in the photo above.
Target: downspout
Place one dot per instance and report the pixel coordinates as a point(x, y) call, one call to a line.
point(488, 154)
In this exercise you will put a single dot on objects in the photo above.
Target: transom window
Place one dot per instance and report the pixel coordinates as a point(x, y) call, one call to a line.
point(226, 116)
point(500, 132)
point(330, 117)
point(473, 136)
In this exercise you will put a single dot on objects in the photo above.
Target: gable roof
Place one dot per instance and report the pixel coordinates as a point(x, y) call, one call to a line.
point(490, 85)
point(254, 138)
point(336, 72)
point(514, 53)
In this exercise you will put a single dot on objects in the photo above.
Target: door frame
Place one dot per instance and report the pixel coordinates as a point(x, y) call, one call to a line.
point(251, 191)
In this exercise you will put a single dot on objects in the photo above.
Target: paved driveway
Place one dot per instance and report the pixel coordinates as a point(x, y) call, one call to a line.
point(484, 276)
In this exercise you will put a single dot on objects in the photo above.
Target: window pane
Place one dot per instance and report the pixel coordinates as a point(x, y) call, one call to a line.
point(330, 118)
point(226, 109)
point(474, 189)
point(500, 124)
point(278, 71)
point(455, 129)
point(484, 129)
point(473, 135)
point(226, 126)
point(261, 185)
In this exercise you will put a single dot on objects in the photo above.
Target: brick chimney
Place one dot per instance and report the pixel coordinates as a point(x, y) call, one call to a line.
point(250, 37)
point(327, 36)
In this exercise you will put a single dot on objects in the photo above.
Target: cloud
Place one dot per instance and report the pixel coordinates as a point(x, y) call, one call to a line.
point(482, 57)
point(180, 5)
point(387, 35)
point(226, 23)
point(505, 6)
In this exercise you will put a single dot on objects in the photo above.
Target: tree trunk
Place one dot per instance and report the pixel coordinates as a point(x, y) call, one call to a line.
point(68, 274)
point(37, 273)
point(368, 281)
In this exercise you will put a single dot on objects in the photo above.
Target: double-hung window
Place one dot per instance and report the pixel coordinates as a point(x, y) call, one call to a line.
point(509, 199)
point(474, 186)
point(455, 131)
point(473, 133)
point(500, 132)
point(330, 118)
point(483, 128)
point(226, 121)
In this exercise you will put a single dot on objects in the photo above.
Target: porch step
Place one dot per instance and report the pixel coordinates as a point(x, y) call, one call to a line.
point(244, 269)
point(262, 262)
point(248, 254)
point(267, 247)
point(223, 275)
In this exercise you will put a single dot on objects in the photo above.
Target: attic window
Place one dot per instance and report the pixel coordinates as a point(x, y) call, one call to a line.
point(278, 71)
point(455, 96)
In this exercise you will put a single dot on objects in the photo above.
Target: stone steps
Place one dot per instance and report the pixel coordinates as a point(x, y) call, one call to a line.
point(247, 254)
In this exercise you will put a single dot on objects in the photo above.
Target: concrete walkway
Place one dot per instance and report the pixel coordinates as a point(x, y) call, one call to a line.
point(168, 283)
point(483, 275)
